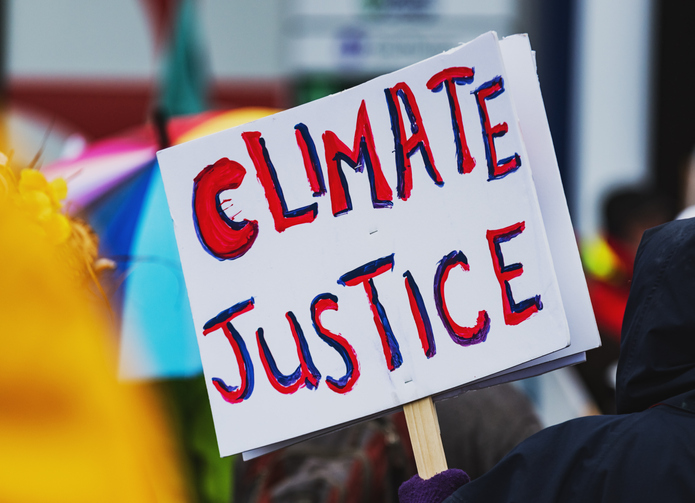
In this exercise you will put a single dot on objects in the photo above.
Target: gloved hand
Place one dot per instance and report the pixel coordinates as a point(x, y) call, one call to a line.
point(432, 490)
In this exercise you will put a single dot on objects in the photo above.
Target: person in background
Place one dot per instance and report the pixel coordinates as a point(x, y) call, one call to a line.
point(608, 263)
point(644, 453)
point(479, 428)
point(367, 462)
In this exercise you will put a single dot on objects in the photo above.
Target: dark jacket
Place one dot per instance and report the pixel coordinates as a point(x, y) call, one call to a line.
point(647, 451)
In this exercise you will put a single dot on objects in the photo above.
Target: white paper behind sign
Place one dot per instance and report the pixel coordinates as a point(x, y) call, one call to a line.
point(414, 289)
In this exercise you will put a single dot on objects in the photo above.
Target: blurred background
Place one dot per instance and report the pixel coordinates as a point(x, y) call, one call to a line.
point(92, 88)
point(613, 74)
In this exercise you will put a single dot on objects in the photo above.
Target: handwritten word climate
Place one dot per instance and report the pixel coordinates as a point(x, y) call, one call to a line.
point(226, 239)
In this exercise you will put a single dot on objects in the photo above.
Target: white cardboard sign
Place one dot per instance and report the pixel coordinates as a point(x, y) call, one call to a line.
point(365, 250)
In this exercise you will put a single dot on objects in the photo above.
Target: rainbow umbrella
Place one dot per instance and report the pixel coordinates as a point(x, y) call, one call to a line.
point(116, 186)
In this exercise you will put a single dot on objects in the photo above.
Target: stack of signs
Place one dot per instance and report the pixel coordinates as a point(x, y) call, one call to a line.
point(402, 239)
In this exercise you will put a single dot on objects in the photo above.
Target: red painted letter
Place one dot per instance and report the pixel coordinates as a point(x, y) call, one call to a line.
point(465, 336)
point(265, 171)
point(514, 313)
point(363, 152)
point(352, 368)
point(306, 373)
point(418, 139)
point(364, 275)
point(234, 394)
point(422, 319)
point(496, 169)
point(221, 236)
point(447, 79)
point(311, 159)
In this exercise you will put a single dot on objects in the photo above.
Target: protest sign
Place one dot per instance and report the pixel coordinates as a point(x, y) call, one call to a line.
point(525, 90)
point(364, 251)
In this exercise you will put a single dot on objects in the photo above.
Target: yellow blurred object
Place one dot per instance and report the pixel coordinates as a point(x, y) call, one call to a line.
point(599, 259)
point(43, 200)
point(68, 430)
point(33, 181)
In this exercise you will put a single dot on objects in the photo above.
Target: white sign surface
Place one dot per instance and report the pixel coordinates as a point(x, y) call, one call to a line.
point(365, 250)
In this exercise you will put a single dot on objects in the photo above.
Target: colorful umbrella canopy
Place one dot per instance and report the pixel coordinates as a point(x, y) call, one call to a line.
point(116, 186)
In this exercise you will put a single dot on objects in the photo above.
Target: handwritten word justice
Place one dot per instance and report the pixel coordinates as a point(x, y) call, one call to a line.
point(308, 375)
point(227, 239)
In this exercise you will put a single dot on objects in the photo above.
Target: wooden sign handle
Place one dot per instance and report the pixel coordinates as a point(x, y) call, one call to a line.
point(423, 428)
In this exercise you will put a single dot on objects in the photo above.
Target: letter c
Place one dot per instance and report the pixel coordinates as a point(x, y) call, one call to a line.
point(221, 236)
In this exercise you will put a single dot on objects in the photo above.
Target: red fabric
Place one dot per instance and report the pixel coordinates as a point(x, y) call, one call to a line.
point(626, 257)
point(609, 303)
point(609, 295)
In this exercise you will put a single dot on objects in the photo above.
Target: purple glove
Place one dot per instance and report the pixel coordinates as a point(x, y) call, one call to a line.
point(434, 490)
